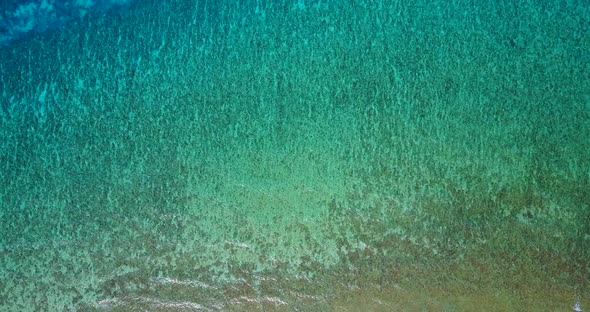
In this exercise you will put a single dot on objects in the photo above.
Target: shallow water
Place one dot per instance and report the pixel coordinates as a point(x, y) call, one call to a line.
point(308, 156)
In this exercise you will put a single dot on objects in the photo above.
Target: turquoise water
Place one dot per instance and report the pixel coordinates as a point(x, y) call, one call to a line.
point(299, 155)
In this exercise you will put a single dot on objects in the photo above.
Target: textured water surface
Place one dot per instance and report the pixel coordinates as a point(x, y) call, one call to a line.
point(299, 155)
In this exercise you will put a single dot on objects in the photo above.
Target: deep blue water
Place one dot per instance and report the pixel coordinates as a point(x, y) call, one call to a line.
point(20, 18)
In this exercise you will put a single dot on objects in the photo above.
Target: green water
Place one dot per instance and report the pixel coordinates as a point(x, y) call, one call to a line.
point(299, 156)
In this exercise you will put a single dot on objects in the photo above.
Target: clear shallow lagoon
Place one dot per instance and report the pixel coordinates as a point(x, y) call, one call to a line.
point(298, 155)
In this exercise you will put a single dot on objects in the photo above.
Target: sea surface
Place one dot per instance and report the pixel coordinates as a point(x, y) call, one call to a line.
point(294, 155)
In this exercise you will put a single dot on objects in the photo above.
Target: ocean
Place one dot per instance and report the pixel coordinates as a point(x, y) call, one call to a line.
point(294, 155)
